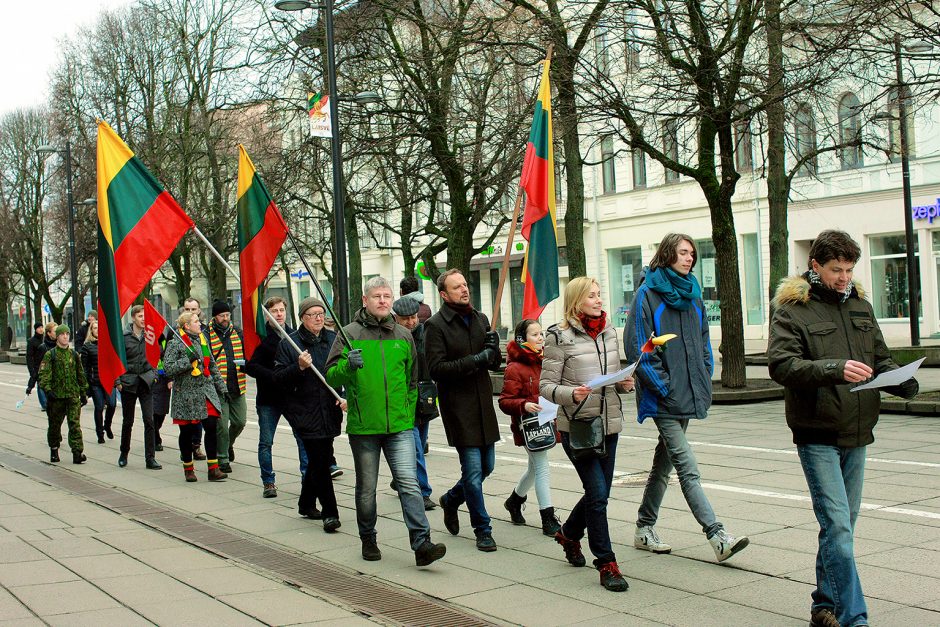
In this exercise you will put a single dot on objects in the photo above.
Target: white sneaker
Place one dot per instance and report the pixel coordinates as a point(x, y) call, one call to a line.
point(646, 539)
point(726, 545)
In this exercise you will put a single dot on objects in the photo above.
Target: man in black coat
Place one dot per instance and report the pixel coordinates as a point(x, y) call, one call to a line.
point(35, 350)
point(81, 334)
point(460, 352)
point(135, 385)
point(269, 401)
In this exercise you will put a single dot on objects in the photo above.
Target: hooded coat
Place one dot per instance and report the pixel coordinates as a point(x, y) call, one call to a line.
point(812, 334)
point(520, 386)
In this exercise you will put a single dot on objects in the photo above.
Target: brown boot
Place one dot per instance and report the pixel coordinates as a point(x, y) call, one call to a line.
point(189, 473)
point(217, 475)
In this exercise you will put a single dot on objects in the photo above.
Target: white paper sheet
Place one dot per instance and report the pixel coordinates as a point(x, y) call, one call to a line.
point(892, 377)
point(549, 410)
point(613, 377)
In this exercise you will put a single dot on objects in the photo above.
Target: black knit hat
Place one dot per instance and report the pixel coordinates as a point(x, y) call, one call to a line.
point(220, 307)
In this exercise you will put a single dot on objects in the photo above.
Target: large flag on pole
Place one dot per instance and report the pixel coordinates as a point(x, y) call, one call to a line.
point(261, 233)
point(540, 269)
point(139, 225)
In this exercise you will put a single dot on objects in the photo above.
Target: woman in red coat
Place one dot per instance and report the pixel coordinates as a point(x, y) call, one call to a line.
point(518, 399)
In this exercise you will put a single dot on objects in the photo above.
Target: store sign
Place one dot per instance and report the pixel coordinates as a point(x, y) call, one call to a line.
point(927, 212)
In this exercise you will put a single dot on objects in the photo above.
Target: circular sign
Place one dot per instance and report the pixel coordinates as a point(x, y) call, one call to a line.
point(419, 270)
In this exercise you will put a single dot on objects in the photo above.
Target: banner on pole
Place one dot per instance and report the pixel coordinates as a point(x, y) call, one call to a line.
point(318, 108)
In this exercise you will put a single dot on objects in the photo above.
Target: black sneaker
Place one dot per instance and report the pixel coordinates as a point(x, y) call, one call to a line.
point(611, 578)
point(485, 542)
point(429, 552)
point(331, 524)
point(54, 455)
point(451, 521)
point(572, 550)
point(370, 550)
point(310, 512)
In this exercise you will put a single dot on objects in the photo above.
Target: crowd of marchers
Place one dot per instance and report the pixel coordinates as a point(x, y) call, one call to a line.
point(396, 367)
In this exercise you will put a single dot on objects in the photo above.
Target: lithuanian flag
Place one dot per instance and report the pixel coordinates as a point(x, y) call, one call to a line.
point(540, 269)
point(139, 225)
point(261, 233)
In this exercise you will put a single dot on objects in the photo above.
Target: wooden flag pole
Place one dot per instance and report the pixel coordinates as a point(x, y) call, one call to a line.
point(267, 313)
point(504, 271)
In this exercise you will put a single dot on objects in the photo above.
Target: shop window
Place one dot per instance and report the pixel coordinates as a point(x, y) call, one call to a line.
point(625, 266)
point(753, 298)
point(608, 168)
point(707, 274)
point(889, 276)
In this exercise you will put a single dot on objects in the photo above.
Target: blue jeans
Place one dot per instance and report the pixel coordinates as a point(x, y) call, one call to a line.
point(673, 450)
point(835, 476)
point(590, 512)
point(399, 449)
point(421, 437)
point(476, 464)
point(42, 398)
point(268, 417)
point(103, 401)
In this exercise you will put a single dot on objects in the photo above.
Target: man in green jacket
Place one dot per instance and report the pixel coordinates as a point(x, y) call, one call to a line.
point(380, 374)
point(62, 377)
point(824, 338)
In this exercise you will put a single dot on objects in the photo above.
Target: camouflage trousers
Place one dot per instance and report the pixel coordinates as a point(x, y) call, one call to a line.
point(59, 409)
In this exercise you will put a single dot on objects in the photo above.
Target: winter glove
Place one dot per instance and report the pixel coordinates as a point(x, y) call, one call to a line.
point(29, 390)
point(485, 358)
point(354, 357)
point(491, 340)
point(908, 389)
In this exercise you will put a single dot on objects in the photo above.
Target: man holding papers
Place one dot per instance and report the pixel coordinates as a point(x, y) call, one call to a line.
point(824, 338)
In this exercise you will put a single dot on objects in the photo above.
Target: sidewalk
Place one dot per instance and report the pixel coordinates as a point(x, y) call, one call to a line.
point(65, 560)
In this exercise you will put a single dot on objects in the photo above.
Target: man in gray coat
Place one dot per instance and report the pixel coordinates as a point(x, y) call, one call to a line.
point(135, 386)
point(460, 352)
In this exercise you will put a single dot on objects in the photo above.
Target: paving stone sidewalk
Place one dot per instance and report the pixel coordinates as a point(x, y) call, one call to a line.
point(64, 560)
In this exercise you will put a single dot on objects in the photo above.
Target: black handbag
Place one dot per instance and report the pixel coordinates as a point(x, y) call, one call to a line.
point(587, 436)
point(537, 437)
point(427, 401)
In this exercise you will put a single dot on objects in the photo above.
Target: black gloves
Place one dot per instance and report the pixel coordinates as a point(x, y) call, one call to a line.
point(908, 389)
point(354, 357)
point(29, 390)
point(485, 358)
point(84, 400)
point(491, 343)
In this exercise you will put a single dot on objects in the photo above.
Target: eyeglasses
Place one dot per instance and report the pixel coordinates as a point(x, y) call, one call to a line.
point(315, 315)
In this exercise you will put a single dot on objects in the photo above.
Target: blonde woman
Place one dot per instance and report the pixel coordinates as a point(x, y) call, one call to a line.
point(578, 349)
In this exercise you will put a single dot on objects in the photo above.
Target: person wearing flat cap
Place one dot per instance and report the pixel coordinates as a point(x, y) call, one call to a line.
point(311, 409)
point(225, 343)
point(407, 312)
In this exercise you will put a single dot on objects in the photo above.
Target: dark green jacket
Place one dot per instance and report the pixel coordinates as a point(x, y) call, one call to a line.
point(61, 375)
point(382, 395)
point(812, 335)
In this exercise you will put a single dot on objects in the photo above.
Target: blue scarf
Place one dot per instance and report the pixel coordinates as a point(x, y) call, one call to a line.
point(678, 291)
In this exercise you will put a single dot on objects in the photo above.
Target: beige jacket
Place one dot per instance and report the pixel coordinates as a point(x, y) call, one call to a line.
point(572, 359)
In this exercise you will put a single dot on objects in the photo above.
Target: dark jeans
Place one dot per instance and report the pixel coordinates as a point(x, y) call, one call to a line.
point(103, 400)
point(187, 440)
point(317, 483)
point(128, 403)
point(590, 512)
point(476, 464)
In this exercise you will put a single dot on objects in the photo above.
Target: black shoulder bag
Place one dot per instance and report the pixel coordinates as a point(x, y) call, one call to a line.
point(587, 436)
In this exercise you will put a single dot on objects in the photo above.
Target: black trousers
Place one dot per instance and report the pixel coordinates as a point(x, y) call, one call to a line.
point(188, 441)
point(129, 401)
point(317, 483)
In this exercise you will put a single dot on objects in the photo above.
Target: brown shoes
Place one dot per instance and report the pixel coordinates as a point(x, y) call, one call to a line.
point(217, 475)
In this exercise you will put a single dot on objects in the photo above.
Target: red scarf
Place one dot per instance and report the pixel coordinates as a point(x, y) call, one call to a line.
point(593, 326)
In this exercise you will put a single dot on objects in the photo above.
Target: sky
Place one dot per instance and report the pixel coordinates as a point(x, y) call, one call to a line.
point(29, 41)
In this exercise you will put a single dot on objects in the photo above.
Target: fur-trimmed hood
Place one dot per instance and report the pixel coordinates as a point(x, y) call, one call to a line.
point(795, 290)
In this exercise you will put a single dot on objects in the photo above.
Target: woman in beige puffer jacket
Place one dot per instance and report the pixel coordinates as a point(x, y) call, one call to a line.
point(581, 347)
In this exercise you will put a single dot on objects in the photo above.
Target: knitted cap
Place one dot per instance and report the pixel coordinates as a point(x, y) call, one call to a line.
point(62, 328)
point(405, 306)
point(307, 303)
point(220, 307)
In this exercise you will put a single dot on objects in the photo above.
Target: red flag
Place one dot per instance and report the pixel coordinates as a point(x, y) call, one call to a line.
point(154, 325)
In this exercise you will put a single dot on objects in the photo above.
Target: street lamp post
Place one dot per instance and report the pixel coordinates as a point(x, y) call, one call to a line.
point(67, 152)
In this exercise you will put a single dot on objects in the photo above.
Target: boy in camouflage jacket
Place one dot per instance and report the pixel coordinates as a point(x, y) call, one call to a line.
point(62, 378)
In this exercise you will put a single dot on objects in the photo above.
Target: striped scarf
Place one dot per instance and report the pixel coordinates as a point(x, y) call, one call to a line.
point(221, 359)
point(188, 341)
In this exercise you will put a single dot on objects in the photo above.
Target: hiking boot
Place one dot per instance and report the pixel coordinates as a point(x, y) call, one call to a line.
point(645, 538)
point(231, 453)
point(550, 523)
point(54, 455)
point(451, 521)
point(190, 475)
point(226, 468)
point(153, 464)
point(79, 458)
point(823, 617)
point(270, 491)
point(310, 512)
point(726, 545)
point(514, 505)
point(429, 552)
point(611, 578)
point(485, 542)
point(429, 504)
point(198, 454)
point(217, 475)
point(572, 549)
point(122, 460)
point(370, 550)
point(331, 524)
point(335, 471)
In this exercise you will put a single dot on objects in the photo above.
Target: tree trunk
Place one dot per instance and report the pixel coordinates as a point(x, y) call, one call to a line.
point(778, 188)
point(733, 373)
point(567, 119)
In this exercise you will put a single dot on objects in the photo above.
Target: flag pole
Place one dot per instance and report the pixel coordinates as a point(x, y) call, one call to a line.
point(267, 313)
point(316, 284)
point(504, 271)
